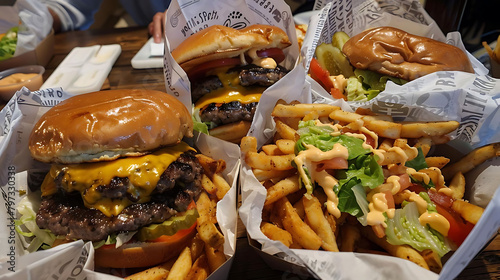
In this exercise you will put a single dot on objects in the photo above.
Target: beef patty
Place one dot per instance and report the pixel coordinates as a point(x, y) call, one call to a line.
point(65, 214)
point(249, 75)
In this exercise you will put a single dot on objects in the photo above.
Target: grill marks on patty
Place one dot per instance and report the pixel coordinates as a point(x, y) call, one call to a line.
point(249, 75)
point(65, 213)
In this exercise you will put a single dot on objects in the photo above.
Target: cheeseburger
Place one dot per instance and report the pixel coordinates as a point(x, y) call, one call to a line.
point(358, 68)
point(120, 173)
point(228, 70)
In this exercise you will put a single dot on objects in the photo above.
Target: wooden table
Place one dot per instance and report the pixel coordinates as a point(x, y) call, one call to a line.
point(247, 264)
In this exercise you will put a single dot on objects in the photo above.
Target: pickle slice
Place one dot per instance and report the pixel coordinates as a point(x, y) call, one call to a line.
point(339, 39)
point(168, 227)
point(333, 60)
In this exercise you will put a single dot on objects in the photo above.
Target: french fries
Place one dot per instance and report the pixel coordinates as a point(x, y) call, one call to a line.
point(205, 253)
point(307, 217)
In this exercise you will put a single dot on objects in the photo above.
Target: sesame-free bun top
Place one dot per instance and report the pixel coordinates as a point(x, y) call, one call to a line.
point(219, 41)
point(394, 52)
point(105, 125)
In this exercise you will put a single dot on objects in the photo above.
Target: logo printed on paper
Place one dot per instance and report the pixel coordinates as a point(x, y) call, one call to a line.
point(236, 20)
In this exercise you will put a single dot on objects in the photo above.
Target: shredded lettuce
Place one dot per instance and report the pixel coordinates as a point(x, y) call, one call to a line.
point(405, 228)
point(26, 225)
point(366, 169)
point(366, 84)
point(198, 125)
point(8, 43)
point(321, 138)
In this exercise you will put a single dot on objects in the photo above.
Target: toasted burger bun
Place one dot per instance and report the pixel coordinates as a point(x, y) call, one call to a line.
point(109, 124)
point(141, 254)
point(232, 132)
point(219, 41)
point(393, 52)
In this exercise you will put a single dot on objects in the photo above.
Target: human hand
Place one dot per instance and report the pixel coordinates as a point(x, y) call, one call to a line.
point(156, 26)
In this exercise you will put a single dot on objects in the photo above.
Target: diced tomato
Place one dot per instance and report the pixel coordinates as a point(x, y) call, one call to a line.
point(459, 229)
point(201, 69)
point(416, 188)
point(369, 140)
point(390, 200)
point(320, 75)
point(178, 235)
point(379, 230)
point(440, 198)
point(275, 53)
point(335, 92)
point(334, 163)
point(404, 181)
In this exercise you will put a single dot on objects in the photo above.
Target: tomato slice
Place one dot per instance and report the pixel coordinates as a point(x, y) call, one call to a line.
point(335, 92)
point(416, 188)
point(440, 198)
point(404, 181)
point(200, 70)
point(275, 53)
point(177, 236)
point(320, 75)
point(334, 163)
point(459, 229)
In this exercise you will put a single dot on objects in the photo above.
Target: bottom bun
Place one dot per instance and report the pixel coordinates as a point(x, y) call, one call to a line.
point(232, 132)
point(140, 254)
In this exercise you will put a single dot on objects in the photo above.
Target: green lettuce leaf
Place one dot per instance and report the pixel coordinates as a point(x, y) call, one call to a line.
point(405, 228)
point(417, 163)
point(347, 198)
point(8, 44)
point(366, 169)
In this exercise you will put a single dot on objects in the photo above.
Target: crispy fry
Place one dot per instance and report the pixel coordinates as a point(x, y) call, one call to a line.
point(272, 150)
point(470, 212)
point(282, 189)
point(215, 257)
point(457, 185)
point(222, 186)
point(299, 208)
point(159, 272)
point(420, 129)
point(425, 144)
point(265, 162)
point(210, 165)
point(264, 175)
point(208, 185)
point(400, 251)
point(285, 131)
point(248, 144)
point(197, 247)
point(299, 230)
point(206, 208)
point(383, 128)
point(319, 224)
point(433, 260)
point(472, 160)
point(209, 233)
point(350, 236)
point(438, 162)
point(301, 110)
point(182, 265)
point(275, 233)
point(200, 269)
point(286, 146)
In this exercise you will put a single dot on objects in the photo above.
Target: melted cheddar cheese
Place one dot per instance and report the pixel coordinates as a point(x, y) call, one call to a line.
point(143, 173)
point(231, 90)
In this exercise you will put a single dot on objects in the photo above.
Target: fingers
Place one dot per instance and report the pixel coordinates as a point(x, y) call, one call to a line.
point(155, 28)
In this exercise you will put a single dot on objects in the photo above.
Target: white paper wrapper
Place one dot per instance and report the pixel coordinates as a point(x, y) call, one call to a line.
point(36, 23)
point(185, 17)
point(75, 260)
point(440, 96)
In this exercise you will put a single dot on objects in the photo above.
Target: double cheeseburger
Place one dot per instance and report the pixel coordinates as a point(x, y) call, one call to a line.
point(119, 172)
point(228, 70)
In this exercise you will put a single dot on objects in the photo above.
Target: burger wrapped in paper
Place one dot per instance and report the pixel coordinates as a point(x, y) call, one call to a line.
point(120, 177)
point(228, 70)
point(358, 68)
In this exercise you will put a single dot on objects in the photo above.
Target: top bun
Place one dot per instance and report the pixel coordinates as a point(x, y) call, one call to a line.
point(391, 51)
point(105, 125)
point(219, 41)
